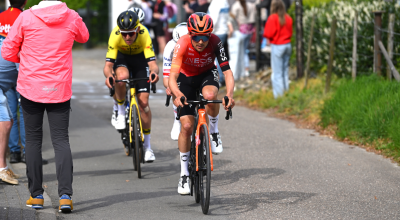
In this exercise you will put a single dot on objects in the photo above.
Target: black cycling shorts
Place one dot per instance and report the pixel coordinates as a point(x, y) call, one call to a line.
point(137, 67)
point(190, 85)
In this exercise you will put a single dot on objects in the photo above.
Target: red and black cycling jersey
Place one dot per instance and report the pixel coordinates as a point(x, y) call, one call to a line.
point(190, 62)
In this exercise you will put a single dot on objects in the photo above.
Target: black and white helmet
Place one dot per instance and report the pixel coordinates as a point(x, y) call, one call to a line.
point(139, 12)
point(179, 31)
point(127, 20)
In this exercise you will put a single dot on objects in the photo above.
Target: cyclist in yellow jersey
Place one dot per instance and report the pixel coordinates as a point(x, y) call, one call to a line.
point(130, 55)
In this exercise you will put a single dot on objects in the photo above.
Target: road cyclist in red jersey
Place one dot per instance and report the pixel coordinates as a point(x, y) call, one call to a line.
point(193, 69)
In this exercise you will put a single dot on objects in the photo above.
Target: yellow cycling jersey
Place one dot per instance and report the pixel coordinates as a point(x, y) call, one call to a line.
point(142, 44)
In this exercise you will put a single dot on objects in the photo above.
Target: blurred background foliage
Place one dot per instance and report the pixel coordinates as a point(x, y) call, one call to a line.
point(97, 25)
point(344, 12)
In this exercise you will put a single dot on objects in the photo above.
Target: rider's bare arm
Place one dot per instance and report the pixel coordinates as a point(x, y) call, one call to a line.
point(153, 70)
point(230, 84)
point(108, 72)
point(226, 70)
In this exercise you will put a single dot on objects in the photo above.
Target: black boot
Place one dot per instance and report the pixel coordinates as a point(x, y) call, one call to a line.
point(15, 157)
point(23, 158)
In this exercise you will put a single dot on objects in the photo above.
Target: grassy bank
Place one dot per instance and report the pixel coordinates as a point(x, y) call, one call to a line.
point(366, 112)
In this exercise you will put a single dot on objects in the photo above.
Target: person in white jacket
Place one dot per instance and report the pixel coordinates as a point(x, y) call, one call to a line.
point(219, 12)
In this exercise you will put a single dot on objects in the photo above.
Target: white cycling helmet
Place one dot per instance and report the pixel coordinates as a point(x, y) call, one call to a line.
point(179, 31)
point(139, 12)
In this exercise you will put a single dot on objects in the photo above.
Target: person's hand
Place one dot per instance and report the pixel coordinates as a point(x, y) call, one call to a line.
point(230, 34)
point(168, 91)
point(156, 15)
point(231, 103)
point(177, 101)
point(155, 78)
point(108, 82)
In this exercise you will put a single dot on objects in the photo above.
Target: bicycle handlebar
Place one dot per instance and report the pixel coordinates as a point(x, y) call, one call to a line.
point(111, 81)
point(204, 102)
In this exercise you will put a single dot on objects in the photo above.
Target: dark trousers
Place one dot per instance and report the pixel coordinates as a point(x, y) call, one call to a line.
point(58, 115)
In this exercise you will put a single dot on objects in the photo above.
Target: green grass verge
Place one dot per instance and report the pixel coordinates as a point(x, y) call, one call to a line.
point(298, 101)
point(366, 111)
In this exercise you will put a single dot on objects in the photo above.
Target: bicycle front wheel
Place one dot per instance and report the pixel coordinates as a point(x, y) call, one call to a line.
point(136, 135)
point(204, 169)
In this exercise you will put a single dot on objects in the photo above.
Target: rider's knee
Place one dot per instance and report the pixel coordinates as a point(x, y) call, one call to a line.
point(144, 105)
point(209, 95)
point(187, 128)
point(122, 73)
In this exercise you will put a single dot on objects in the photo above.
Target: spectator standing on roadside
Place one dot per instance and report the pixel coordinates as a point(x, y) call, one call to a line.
point(8, 79)
point(219, 12)
point(245, 13)
point(146, 6)
point(203, 6)
point(189, 7)
point(42, 39)
point(159, 18)
point(278, 30)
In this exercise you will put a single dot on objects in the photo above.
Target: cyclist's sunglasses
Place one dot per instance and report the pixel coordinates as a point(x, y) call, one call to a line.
point(130, 33)
point(197, 38)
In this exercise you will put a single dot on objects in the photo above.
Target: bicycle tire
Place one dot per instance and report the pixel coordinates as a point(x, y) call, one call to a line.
point(204, 169)
point(133, 148)
point(195, 175)
point(136, 137)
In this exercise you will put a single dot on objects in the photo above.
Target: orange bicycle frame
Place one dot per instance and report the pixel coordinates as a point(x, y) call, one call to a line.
point(202, 120)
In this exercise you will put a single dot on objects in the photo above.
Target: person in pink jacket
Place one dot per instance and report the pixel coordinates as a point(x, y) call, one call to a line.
point(41, 41)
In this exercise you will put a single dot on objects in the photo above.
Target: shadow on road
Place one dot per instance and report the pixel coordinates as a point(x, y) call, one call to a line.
point(239, 203)
point(229, 177)
point(119, 198)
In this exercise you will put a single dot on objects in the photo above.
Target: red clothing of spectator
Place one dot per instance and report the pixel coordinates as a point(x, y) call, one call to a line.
point(7, 19)
point(276, 33)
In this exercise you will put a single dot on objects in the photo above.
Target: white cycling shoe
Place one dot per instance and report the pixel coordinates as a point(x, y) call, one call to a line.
point(114, 118)
point(149, 156)
point(216, 143)
point(176, 129)
point(120, 123)
point(184, 185)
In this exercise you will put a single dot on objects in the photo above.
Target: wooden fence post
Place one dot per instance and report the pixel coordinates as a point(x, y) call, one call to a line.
point(354, 64)
point(390, 44)
point(331, 53)
point(389, 61)
point(307, 73)
point(377, 52)
point(299, 38)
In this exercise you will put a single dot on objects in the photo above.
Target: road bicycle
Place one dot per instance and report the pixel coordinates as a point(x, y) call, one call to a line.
point(132, 136)
point(200, 159)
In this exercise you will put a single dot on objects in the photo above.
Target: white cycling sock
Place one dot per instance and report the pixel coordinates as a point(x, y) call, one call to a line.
point(184, 163)
point(121, 109)
point(115, 105)
point(146, 144)
point(213, 124)
point(5, 168)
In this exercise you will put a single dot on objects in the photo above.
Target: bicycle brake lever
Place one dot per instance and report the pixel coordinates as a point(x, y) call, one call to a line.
point(229, 112)
point(178, 115)
point(153, 85)
point(112, 90)
point(167, 101)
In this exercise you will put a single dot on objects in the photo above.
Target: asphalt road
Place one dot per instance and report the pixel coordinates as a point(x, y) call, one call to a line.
point(269, 169)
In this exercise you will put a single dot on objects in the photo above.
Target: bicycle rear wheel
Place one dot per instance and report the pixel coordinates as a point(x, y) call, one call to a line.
point(204, 169)
point(136, 136)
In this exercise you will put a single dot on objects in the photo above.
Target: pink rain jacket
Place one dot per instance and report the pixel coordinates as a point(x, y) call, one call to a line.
point(44, 38)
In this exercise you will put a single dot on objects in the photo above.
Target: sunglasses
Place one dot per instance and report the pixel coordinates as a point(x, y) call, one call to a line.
point(130, 33)
point(197, 38)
